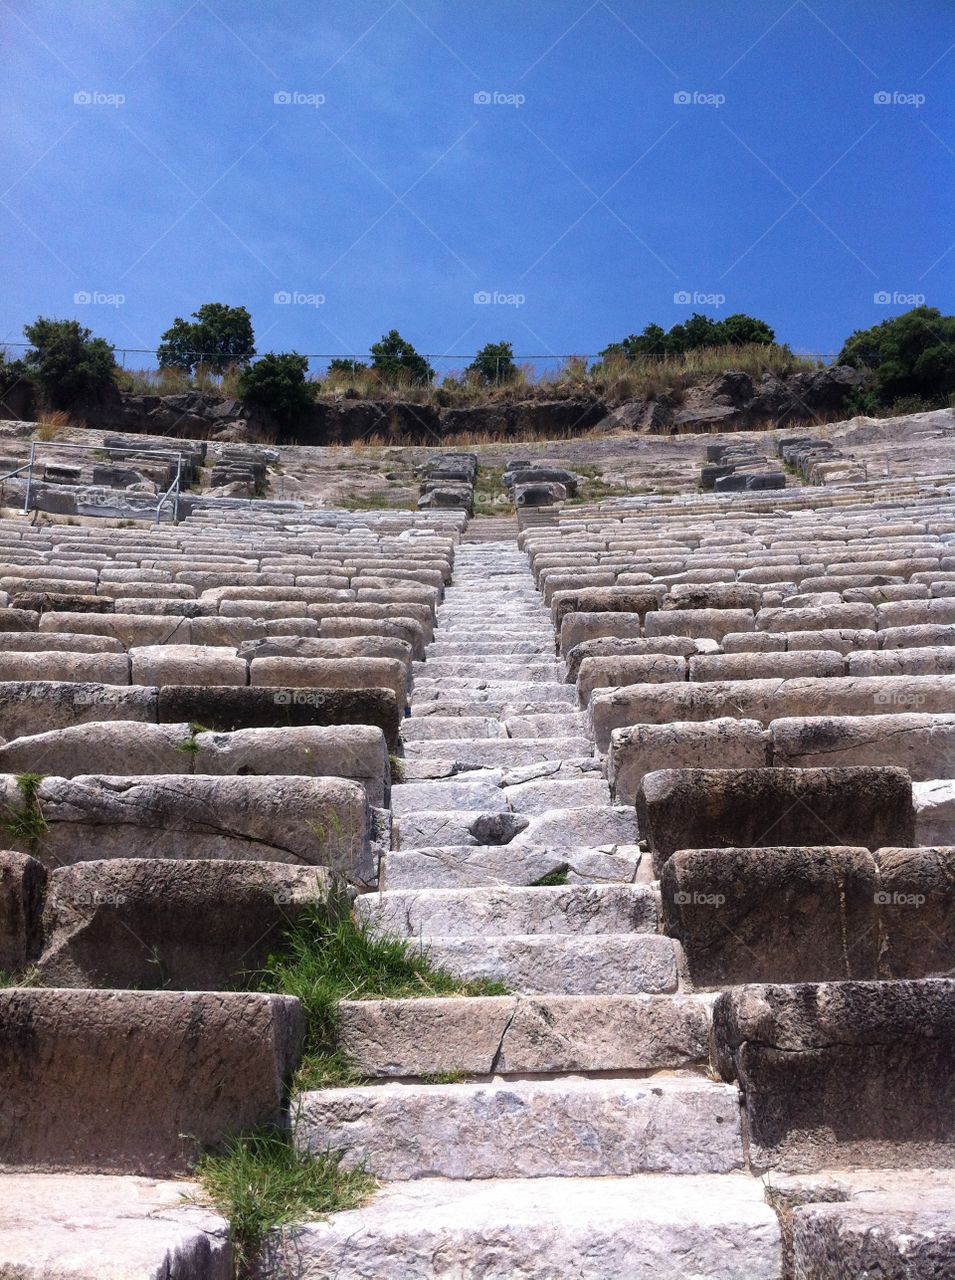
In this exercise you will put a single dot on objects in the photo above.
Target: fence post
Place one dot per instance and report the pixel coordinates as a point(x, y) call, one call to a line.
point(26, 498)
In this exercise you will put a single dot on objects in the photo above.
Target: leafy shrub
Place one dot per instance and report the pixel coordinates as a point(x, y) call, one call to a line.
point(217, 336)
point(279, 383)
point(911, 355)
point(346, 367)
point(699, 331)
point(67, 361)
point(494, 363)
point(395, 361)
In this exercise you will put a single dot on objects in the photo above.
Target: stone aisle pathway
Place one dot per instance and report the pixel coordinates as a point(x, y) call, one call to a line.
point(577, 1096)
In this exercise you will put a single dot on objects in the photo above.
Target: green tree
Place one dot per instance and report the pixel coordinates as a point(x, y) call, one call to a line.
point(697, 332)
point(279, 383)
point(11, 372)
point(911, 355)
point(494, 363)
point(394, 359)
point(741, 330)
point(217, 336)
point(67, 361)
point(346, 366)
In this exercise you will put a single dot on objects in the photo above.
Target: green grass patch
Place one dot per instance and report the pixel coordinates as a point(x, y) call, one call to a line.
point(397, 767)
point(556, 877)
point(27, 824)
point(325, 959)
point(261, 1184)
point(31, 977)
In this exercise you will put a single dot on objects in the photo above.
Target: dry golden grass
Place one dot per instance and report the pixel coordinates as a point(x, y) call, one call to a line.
point(51, 423)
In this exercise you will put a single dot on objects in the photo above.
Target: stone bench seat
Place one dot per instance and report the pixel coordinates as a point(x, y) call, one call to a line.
point(863, 806)
point(302, 821)
point(181, 924)
point(187, 1071)
point(765, 700)
point(358, 752)
point(841, 1074)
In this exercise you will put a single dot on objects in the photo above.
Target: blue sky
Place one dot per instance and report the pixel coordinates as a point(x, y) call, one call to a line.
point(339, 169)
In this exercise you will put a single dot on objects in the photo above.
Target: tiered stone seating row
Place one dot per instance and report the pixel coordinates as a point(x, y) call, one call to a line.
point(196, 725)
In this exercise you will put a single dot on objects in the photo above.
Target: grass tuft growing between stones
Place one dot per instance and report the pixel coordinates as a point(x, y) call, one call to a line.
point(397, 767)
point(27, 824)
point(31, 977)
point(260, 1183)
point(325, 960)
point(553, 878)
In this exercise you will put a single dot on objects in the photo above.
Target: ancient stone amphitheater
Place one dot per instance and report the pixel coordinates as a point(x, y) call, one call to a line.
point(675, 771)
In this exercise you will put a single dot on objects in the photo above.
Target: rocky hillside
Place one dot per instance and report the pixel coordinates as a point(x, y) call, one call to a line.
point(734, 400)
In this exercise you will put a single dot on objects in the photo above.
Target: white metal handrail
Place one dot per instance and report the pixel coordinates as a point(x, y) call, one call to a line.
point(173, 491)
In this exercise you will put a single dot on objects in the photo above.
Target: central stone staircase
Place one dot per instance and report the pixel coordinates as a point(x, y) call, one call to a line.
point(587, 1089)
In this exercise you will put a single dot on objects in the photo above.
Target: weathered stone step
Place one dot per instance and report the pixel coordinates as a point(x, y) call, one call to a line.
point(495, 752)
point(183, 1070)
point(499, 710)
point(67, 1226)
point(431, 769)
point(587, 824)
point(510, 1035)
point(497, 912)
point(481, 793)
point(495, 668)
point(498, 693)
point(535, 724)
point(646, 1227)
point(497, 825)
point(161, 922)
point(448, 648)
point(563, 964)
point(535, 798)
point(843, 1073)
point(472, 866)
point(563, 1128)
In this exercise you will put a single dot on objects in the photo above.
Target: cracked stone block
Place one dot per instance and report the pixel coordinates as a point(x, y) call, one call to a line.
point(752, 808)
point(177, 924)
point(568, 1127)
point(184, 1071)
point(844, 1073)
point(303, 821)
point(923, 744)
point(773, 914)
